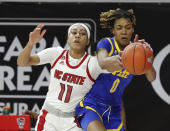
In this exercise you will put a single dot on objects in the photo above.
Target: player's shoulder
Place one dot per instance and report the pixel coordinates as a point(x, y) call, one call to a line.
point(60, 49)
point(105, 40)
point(57, 49)
point(93, 58)
point(93, 62)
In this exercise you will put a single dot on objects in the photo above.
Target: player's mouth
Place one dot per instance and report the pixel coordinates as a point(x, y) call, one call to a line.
point(124, 38)
point(77, 41)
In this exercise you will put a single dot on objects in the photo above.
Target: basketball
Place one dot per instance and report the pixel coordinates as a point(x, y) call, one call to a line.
point(137, 58)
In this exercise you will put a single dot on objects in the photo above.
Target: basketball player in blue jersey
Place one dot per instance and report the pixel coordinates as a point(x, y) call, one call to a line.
point(101, 108)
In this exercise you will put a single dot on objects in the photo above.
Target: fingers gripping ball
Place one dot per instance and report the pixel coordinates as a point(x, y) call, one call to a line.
point(137, 58)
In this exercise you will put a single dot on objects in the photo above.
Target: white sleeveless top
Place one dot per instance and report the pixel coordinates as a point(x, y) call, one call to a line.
point(70, 79)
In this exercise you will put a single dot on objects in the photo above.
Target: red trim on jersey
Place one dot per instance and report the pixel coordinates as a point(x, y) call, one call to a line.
point(76, 121)
point(41, 122)
point(88, 73)
point(58, 59)
point(74, 67)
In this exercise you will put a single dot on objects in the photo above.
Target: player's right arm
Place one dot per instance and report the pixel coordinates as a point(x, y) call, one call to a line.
point(110, 63)
point(25, 58)
point(33, 115)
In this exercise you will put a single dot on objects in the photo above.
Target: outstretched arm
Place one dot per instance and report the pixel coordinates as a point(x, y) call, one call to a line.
point(31, 114)
point(110, 63)
point(151, 74)
point(25, 58)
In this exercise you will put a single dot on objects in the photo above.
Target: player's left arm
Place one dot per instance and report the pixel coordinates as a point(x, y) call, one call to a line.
point(151, 74)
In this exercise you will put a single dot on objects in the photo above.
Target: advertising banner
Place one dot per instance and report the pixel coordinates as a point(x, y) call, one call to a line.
point(24, 88)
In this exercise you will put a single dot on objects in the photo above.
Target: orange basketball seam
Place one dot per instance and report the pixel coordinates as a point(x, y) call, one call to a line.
point(124, 58)
point(134, 59)
point(145, 58)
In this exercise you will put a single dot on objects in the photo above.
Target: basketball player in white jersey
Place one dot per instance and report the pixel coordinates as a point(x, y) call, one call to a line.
point(72, 74)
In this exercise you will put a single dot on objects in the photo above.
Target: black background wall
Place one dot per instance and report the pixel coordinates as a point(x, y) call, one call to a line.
point(23, 88)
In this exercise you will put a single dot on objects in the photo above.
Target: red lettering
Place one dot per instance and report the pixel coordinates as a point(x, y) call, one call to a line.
point(68, 80)
point(68, 93)
point(58, 74)
point(65, 76)
point(78, 78)
point(60, 96)
point(69, 90)
point(82, 80)
point(73, 79)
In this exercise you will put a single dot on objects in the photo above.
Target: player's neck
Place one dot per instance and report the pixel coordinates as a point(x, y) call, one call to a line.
point(76, 54)
point(121, 47)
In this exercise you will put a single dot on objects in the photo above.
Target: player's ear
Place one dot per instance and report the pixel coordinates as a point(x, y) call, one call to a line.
point(133, 30)
point(88, 42)
point(112, 31)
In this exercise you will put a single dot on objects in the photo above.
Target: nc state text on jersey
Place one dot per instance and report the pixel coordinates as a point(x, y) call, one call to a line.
point(72, 78)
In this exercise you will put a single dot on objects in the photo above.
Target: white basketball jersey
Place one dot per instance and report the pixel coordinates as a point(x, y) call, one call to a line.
point(68, 84)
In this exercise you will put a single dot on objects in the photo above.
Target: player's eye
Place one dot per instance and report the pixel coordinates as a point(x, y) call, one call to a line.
point(118, 27)
point(82, 33)
point(73, 32)
point(129, 27)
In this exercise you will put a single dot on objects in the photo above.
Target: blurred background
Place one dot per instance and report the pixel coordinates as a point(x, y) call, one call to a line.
point(24, 88)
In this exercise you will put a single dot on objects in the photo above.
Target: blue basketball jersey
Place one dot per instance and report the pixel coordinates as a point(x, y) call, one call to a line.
point(103, 102)
point(109, 88)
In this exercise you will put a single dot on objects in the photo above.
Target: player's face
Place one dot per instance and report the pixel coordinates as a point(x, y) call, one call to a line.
point(77, 38)
point(123, 30)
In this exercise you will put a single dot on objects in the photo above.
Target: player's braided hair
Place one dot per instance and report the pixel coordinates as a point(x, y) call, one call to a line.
point(108, 18)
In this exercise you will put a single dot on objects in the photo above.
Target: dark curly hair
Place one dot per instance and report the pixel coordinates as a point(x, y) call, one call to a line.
point(108, 18)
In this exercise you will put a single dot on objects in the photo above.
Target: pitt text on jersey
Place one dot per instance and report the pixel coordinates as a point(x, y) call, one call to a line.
point(121, 73)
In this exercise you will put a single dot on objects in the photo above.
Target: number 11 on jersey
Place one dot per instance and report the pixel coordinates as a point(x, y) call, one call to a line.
point(68, 93)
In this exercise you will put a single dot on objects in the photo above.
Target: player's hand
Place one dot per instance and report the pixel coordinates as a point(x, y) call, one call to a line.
point(36, 35)
point(116, 63)
point(136, 40)
point(148, 45)
point(142, 41)
point(31, 114)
